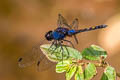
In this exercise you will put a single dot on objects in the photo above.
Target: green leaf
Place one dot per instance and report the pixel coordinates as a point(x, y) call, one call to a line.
point(94, 53)
point(57, 55)
point(90, 71)
point(104, 77)
point(109, 74)
point(70, 73)
point(79, 74)
point(63, 66)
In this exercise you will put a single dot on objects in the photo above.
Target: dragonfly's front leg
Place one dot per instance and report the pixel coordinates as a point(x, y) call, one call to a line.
point(56, 46)
point(61, 49)
point(52, 44)
point(69, 42)
point(60, 43)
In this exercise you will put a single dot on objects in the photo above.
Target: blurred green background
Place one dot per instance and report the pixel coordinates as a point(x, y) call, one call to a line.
point(23, 22)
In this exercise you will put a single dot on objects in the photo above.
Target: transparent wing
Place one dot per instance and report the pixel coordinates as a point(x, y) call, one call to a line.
point(74, 25)
point(62, 21)
point(45, 64)
point(35, 56)
point(28, 59)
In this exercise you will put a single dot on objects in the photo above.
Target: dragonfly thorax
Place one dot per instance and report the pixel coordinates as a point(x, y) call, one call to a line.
point(58, 34)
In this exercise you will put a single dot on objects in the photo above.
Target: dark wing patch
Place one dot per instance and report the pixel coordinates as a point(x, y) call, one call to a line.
point(45, 64)
point(30, 57)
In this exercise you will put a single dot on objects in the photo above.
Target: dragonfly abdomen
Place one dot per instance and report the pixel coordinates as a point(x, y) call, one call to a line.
point(91, 28)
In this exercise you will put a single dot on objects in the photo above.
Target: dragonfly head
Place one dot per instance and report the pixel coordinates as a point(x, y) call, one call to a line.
point(49, 35)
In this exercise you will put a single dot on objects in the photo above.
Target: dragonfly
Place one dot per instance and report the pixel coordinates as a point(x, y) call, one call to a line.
point(56, 37)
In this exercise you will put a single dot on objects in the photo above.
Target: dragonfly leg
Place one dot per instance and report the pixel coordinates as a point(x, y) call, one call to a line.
point(60, 44)
point(52, 44)
point(56, 46)
point(54, 50)
point(62, 50)
point(75, 38)
point(69, 42)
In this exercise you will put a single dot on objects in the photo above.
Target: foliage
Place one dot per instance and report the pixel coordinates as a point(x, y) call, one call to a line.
point(80, 65)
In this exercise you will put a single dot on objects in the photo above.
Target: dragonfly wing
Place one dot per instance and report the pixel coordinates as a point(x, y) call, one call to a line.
point(45, 64)
point(75, 26)
point(35, 56)
point(75, 37)
point(30, 57)
point(61, 22)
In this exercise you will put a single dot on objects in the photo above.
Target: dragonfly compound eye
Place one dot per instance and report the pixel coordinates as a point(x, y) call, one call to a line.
point(49, 35)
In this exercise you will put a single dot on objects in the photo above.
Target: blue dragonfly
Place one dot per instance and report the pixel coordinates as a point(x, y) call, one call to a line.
point(57, 37)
